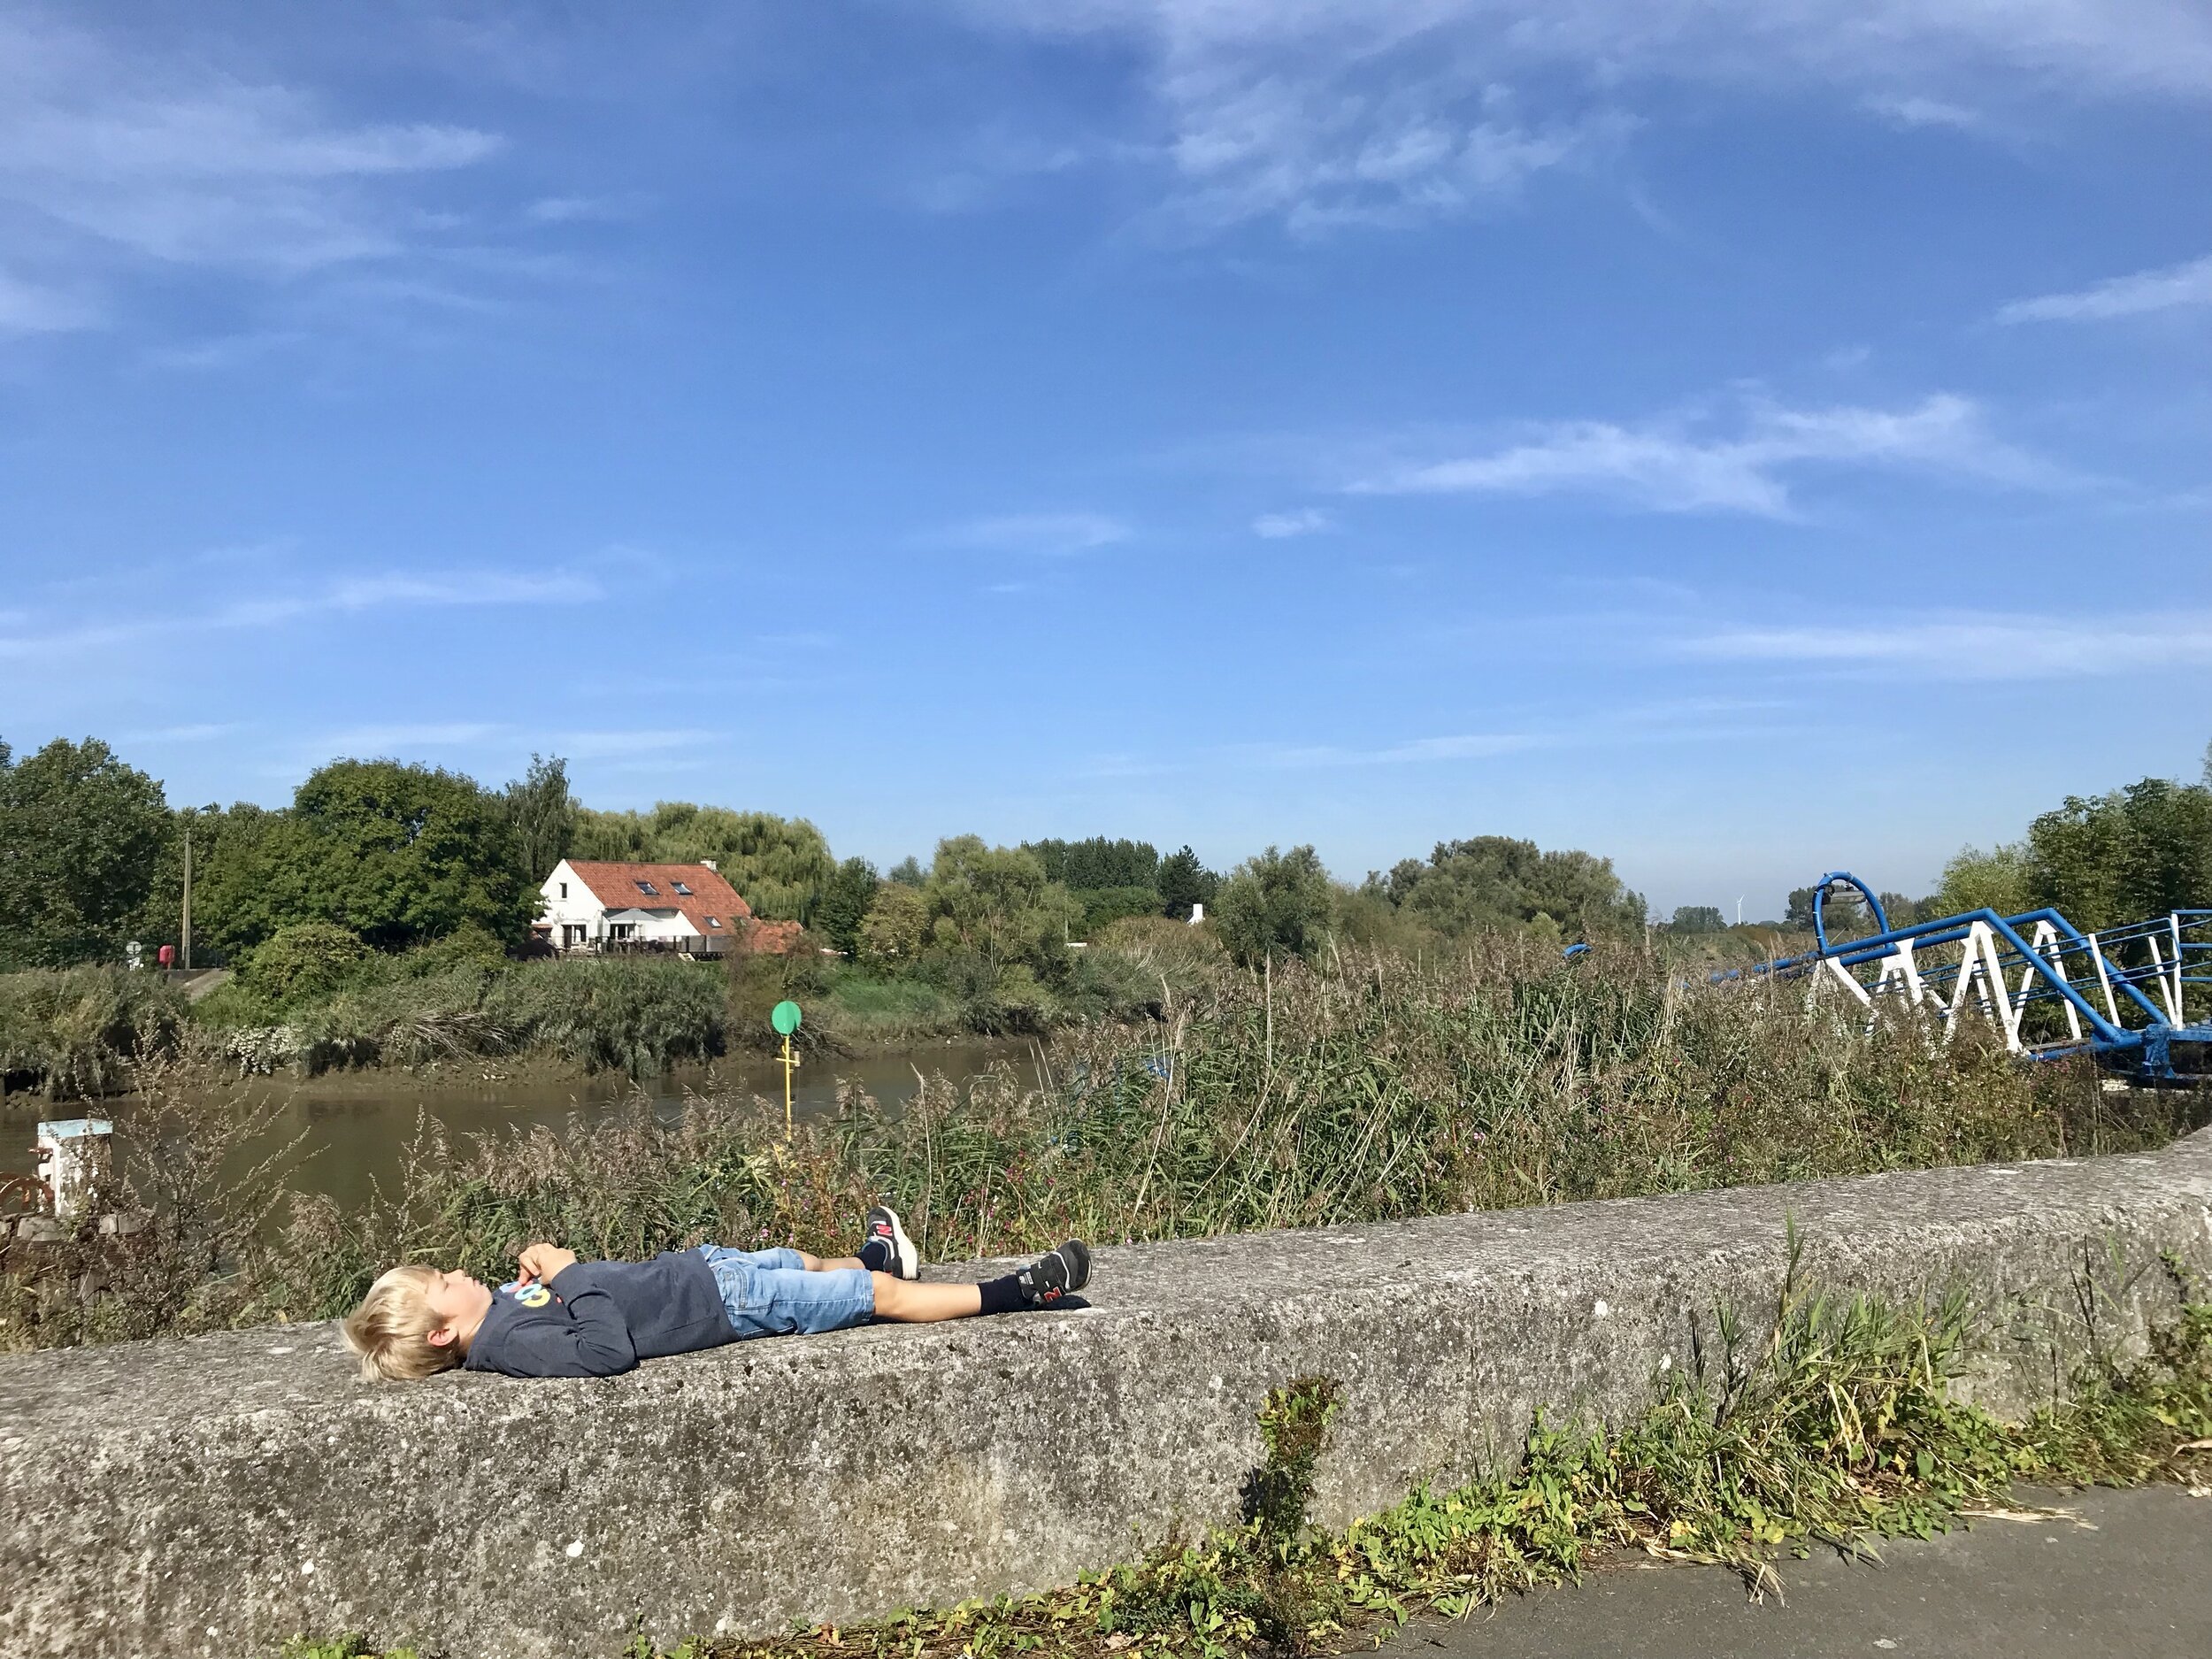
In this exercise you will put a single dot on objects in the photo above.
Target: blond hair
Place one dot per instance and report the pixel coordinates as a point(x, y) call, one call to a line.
point(391, 1328)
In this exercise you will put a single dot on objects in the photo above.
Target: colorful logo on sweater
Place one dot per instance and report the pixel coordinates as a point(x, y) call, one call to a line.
point(527, 1295)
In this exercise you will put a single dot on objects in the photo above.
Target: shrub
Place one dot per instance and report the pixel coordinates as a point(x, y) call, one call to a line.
point(1104, 905)
point(305, 962)
point(467, 946)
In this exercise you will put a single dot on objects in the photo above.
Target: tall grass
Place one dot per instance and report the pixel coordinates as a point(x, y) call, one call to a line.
point(1371, 1088)
point(79, 1031)
point(640, 1015)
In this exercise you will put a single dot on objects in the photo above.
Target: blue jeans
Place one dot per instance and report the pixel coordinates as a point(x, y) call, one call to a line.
point(770, 1292)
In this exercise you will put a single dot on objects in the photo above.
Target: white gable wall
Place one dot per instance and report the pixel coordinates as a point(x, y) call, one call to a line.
point(579, 917)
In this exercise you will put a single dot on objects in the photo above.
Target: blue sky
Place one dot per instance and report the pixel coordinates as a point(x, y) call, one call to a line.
point(1743, 440)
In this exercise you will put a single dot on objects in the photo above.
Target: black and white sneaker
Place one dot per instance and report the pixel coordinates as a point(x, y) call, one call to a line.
point(1056, 1274)
point(887, 1250)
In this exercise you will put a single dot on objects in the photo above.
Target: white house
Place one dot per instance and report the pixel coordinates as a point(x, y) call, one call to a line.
point(589, 905)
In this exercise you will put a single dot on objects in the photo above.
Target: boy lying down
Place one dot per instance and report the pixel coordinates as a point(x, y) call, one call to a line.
point(563, 1317)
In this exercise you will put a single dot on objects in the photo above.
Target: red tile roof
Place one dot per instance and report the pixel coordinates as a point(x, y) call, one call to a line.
point(615, 886)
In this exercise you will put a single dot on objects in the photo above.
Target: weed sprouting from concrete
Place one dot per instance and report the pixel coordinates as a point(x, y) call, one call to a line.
point(1294, 1426)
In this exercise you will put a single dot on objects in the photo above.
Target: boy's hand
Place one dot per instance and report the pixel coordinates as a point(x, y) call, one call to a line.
point(544, 1262)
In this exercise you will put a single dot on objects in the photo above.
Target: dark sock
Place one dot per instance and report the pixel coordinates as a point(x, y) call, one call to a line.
point(1004, 1295)
point(875, 1255)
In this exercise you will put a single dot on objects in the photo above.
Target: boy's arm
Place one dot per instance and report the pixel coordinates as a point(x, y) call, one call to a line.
point(592, 1341)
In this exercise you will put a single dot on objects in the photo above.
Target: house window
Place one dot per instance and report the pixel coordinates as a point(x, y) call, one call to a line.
point(648, 889)
point(681, 888)
point(714, 921)
point(563, 889)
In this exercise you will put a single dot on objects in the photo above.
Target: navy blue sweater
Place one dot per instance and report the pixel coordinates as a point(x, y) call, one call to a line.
point(597, 1318)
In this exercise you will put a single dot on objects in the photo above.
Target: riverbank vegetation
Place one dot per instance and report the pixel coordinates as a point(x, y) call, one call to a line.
point(1364, 1087)
point(380, 919)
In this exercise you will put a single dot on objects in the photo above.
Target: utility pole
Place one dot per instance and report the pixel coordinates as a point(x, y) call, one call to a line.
point(184, 929)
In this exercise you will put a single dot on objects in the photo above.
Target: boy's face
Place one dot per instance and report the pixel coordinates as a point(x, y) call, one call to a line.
point(460, 1303)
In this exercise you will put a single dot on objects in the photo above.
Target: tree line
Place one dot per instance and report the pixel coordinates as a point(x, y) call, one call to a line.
point(394, 857)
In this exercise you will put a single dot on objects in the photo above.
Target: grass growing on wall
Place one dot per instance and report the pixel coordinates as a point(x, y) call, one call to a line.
point(1837, 1425)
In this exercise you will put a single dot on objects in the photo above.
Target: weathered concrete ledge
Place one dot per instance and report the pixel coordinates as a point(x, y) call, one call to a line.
point(209, 1497)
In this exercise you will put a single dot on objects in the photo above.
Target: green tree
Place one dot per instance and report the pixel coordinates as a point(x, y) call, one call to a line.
point(2137, 852)
point(892, 931)
point(396, 854)
point(1276, 904)
point(1902, 912)
point(995, 905)
point(2001, 879)
point(1798, 912)
point(1843, 913)
point(1495, 882)
point(1183, 883)
point(908, 873)
point(1698, 918)
point(81, 833)
point(231, 906)
point(542, 814)
point(779, 866)
point(845, 904)
point(1098, 862)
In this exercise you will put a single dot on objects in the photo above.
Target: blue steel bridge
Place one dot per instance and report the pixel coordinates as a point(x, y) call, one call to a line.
point(2129, 996)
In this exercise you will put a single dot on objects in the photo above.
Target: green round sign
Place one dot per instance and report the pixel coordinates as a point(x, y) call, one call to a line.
point(785, 1018)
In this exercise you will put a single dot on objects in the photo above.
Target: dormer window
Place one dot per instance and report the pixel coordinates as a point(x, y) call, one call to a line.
point(714, 921)
point(681, 888)
point(648, 889)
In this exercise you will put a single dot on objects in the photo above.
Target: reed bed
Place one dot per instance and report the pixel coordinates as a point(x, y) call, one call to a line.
point(1369, 1088)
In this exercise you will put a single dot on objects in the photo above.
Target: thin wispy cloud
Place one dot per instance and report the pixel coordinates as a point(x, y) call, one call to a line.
point(1677, 719)
point(572, 210)
point(362, 741)
point(26, 308)
point(200, 732)
point(1682, 466)
point(118, 161)
point(2133, 295)
point(1046, 534)
point(605, 745)
point(344, 595)
point(1989, 646)
point(1411, 751)
point(1919, 111)
point(1275, 526)
point(1322, 113)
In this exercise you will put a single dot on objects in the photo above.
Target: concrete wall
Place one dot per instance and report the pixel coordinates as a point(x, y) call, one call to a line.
point(209, 1497)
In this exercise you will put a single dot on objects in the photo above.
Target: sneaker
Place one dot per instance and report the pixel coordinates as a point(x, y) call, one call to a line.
point(1056, 1273)
point(887, 1248)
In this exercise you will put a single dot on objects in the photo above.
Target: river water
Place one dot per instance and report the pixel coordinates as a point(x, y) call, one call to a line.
point(353, 1125)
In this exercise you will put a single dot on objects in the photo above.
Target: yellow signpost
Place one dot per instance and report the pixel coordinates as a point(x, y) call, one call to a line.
point(785, 1018)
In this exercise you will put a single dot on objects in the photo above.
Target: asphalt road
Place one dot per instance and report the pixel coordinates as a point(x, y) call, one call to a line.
point(2121, 1575)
